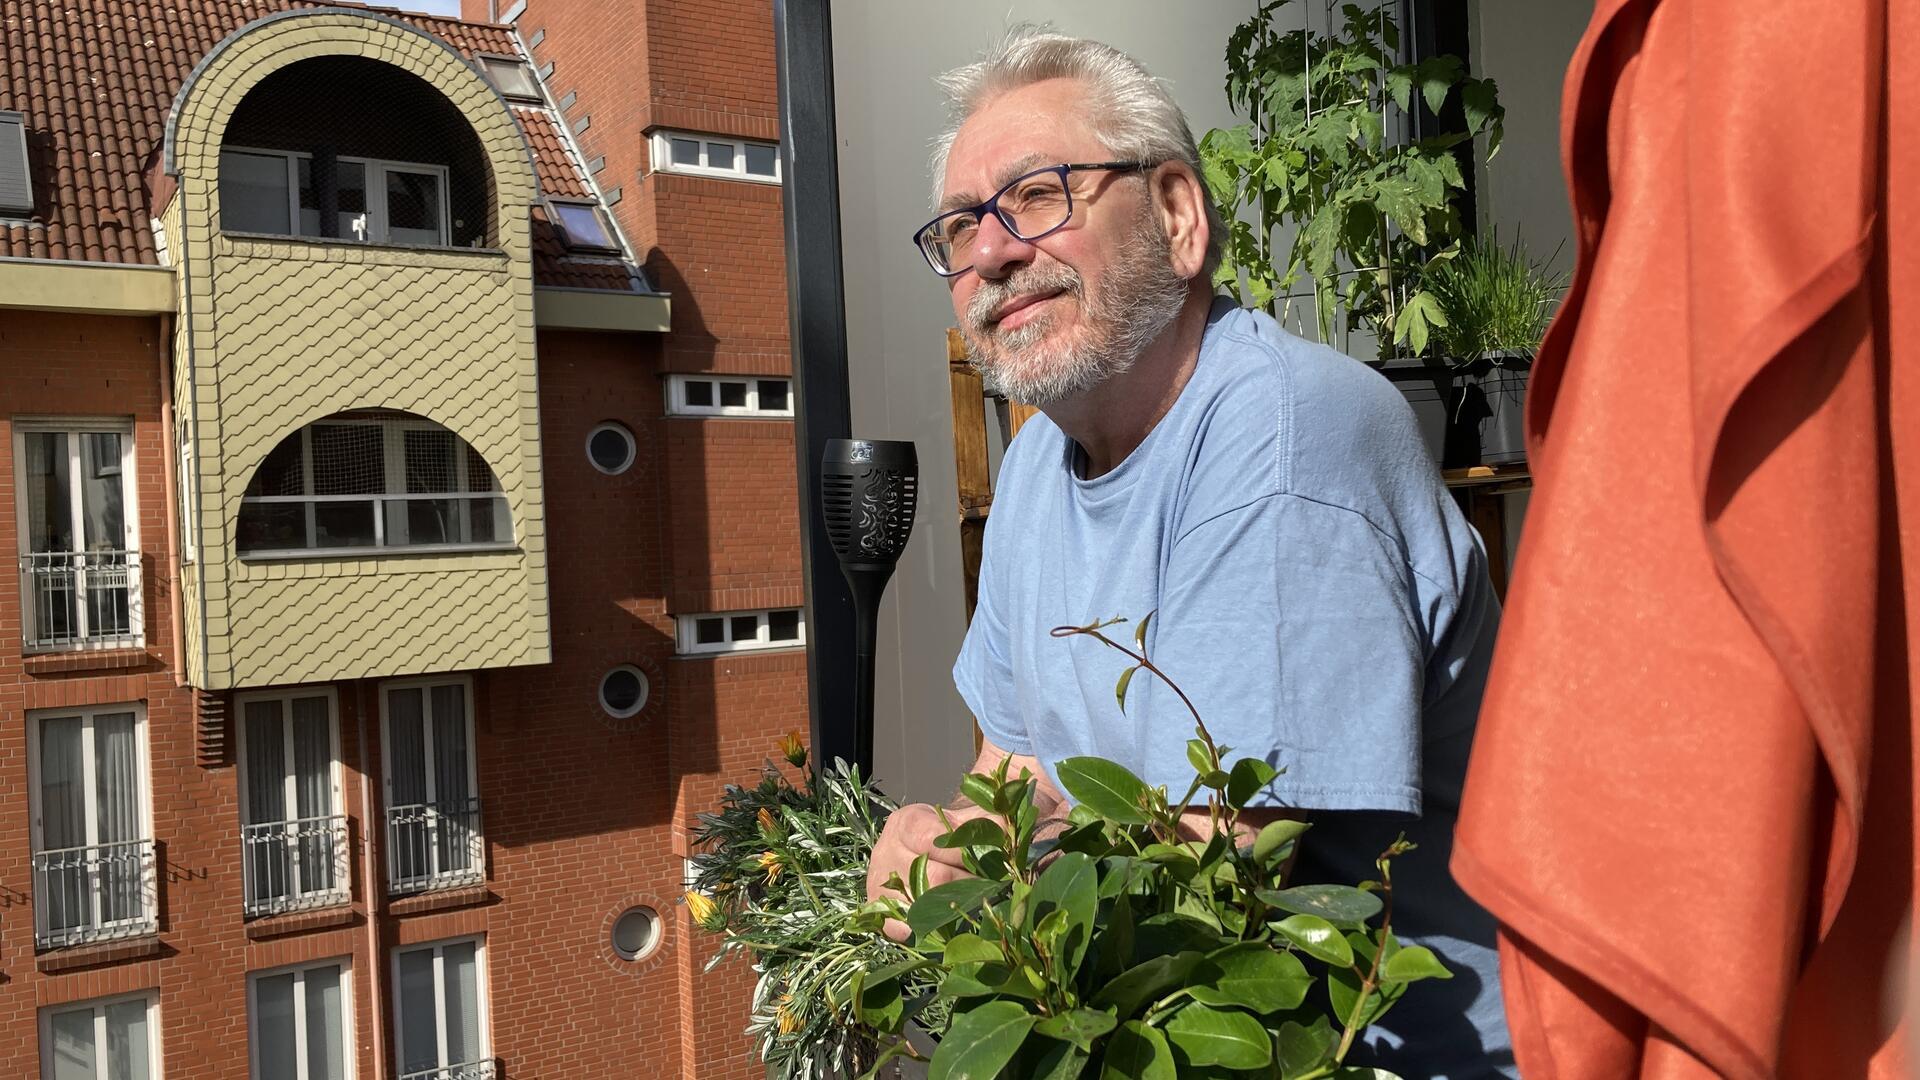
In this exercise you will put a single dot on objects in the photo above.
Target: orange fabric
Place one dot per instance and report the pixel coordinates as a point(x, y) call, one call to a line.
point(1691, 800)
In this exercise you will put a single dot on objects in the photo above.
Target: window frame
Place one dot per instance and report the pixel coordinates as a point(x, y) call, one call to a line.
point(482, 992)
point(626, 434)
point(531, 97)
point(73, 427)
point(431, 757)
point(291, 779)
point(99, 1006)
point(646, 691)
point(611, 247)
point(377, 225)
point(301, 1035)
point(660, 145)
point(87, 713)
point(677, 404)
point(393, 465)
point(686, 632)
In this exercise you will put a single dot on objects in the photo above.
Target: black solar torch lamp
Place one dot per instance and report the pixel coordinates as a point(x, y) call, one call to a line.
point(868, 489)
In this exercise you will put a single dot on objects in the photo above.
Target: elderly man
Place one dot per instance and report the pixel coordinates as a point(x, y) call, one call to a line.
point(1318, 594)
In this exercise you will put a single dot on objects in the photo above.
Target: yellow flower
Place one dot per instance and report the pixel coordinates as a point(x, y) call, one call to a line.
point(788, 1022)
point(767, 824)
point(796, 754)
point(705, 912)
point(770, 862)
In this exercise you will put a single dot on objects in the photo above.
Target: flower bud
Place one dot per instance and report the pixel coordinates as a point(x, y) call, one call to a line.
point(793, 750)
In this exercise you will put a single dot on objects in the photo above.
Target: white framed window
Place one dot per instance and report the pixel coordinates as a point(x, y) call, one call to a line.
point(729, 395)
point(382, 202)
point(93, 857)
point(74, 503)
point(623, 691)
point(636, 933)
point(740, 631)
point(369, 482)
point(583, 225)
point(713, 155)
point(611, 448)
point(300, 1022)
point(293, 835)
point(184, 480)
point(434, 838)
point(440, 1011)
point(511, 76)
point(114, 1038)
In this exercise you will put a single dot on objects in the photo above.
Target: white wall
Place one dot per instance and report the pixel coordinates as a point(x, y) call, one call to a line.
point(1524, 46)
point(886, 53)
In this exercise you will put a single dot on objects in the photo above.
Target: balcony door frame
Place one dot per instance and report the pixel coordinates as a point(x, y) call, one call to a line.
point(143, 756)
point(286, 697)
point(430, 752)
point(72, 426)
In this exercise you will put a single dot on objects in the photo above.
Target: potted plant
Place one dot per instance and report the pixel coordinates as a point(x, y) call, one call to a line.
point(1494, 303)
point(1336, 149)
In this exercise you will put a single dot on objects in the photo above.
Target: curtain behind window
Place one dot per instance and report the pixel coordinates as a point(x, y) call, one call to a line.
point(116, 770)
point(313, 790)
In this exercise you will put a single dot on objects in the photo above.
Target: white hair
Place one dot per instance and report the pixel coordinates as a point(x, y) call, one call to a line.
point(1130, 111)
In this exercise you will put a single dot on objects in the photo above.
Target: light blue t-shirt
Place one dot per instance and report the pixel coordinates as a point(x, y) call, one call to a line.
point(1318, 596)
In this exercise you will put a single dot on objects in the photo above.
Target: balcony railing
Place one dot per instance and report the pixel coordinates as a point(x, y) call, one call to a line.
point(80, 599)
point(97, 893)
point(434, 846)
point(295, 865)
point(472, 1070)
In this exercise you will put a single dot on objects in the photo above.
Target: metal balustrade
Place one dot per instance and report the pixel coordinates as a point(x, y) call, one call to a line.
point(472, 1070)
point(434, 846)
point(295, 865)
point(80, 599)
point(95, 893)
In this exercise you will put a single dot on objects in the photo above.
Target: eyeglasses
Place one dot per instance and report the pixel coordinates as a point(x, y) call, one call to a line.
point(1030, 207)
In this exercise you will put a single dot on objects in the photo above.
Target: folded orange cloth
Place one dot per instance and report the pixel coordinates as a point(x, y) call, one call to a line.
point(1691, 800)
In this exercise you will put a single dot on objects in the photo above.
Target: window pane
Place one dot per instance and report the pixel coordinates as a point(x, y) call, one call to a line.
point(73, 1050)
point(487, 521)
point(699, 393)
point(583, 226)
point(283, 472)
point(511, 78)
point(419, 1028)
point(719, 155)
point(266, 764)
point(413, 207)
point(273, 1027)
point(620, 690)
point(331, 182)
point(686, 151)
point(348, 460)
point(761, 159)
point(783, 625)
point(101, 509)
point(432, 463)
point(610, 449)
point(709, 631)
point(407, 746)
point(128, 1042)
point(462, 977)
point(326, 1026)
point(773, 394)
point(343, 524)
point(253, 193)
point(272, 527)
point(746, 627)
point(49, 492)
point(733, 395)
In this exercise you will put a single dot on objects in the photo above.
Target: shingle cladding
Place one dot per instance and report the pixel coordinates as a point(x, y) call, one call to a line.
point(281, 331)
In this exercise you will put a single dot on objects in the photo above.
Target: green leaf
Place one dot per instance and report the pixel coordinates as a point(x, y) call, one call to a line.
point(1436, 76)
point(1079, 1027)
point(1253, 975)
point(1050, 1059)
point(898, 1048)
point(1228, 1037)
point(1341, 905)
point(1116, 942)
point(1248, 777)
point(878, 1004)
point(1135, 1052)
point(1120, 688)
point(1070, 888)
point(974, 832)
point(1400, 86)
point(971, 949)
point(1317, 938)
point(1142, 983)
point(981, 1042)
point(1107, 787)
point(1302, 1048)
point(1480, 100)
point(1140, 632)
point(943, 904)
point(1322, 236)
point(979, 790)
point(1343, 991)
point(1276, 834)
point(1197, 757)
point(1413, 963)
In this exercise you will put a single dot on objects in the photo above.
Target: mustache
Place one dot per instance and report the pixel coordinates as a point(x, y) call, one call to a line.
point(1032, 279)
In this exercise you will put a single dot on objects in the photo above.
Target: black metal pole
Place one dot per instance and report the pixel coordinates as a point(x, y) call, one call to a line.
point(816, 313)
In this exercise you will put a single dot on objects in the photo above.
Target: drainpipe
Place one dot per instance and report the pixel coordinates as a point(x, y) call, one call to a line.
point(368, 865)
point(169, 466)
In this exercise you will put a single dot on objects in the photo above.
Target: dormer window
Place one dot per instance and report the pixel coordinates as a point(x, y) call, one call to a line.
point(297, 194)
point(584, 226)
point(512, 78)
point(16, 180)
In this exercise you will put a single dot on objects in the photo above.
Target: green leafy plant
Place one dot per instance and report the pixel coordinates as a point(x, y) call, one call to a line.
point(781, 872)
point(1493, 299)
point(1131, 942)
point(1316, 154)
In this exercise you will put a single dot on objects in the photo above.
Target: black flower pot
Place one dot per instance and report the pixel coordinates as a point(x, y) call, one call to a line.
point(1486, 422)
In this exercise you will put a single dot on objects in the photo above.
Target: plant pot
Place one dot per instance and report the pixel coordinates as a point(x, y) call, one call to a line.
point(1428, 386)
point(1486, 422)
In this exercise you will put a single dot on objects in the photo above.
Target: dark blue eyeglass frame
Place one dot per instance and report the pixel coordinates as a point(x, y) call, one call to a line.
point(980, 211)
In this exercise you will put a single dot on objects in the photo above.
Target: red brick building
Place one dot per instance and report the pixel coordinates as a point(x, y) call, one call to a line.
point(395, 436)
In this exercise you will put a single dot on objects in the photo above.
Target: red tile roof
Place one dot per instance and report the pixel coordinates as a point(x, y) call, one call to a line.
point(95, 79)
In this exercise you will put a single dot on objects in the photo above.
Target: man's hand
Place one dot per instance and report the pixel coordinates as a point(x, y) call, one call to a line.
point(910, 832)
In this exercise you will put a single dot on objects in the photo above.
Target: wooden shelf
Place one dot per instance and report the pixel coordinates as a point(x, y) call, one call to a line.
point(1516, 476)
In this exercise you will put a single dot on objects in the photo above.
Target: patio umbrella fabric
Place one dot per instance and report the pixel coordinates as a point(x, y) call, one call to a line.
point(1691, 798)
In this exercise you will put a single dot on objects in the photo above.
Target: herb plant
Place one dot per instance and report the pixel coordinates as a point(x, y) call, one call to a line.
point(1493, 299)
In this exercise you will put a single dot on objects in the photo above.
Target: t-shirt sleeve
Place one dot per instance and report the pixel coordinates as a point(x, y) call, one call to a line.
point(982, 672)
point(1294, 627)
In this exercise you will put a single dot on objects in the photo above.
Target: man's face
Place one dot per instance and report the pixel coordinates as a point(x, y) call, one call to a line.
point(1050, 318)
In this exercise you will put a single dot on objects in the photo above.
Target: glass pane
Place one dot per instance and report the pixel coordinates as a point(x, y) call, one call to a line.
point(419, 1027)
point(733, 395)
point(487, 521)
point(339, 184)
point(709, 631)
point(353, 200)
point(413, 207)
point(283, 472)
point(583, 226)
point(699, 393)
point(773, 395)
point(610, 449)
point(761, 160)
point(273, 1027)
point(101, 510)
point(73, 1050)
point(424, 521)
point(783, 626)
point(746, 627)
point(49, 493)
point(128, 1042)
point(432, 461)
point(462, 976)
point(720, 155)
point(253, 193)
point(620, 690)
point(343, 524)
point(272, 527)
point(406, 746)
point(326, 1026)
point(348, 459)
point(266, 763)
point(65, 891)
point(121, 876)
point(686, 151)
point(313, 793)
